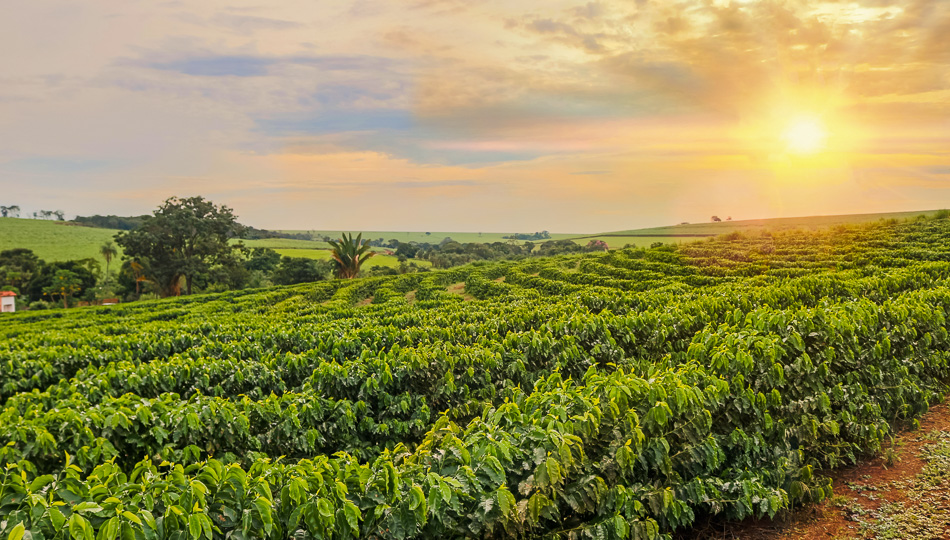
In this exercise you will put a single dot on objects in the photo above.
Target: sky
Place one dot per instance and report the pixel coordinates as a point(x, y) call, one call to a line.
point(477, 115)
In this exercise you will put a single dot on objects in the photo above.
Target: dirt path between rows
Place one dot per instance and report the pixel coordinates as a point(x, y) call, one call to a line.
point(904, 494)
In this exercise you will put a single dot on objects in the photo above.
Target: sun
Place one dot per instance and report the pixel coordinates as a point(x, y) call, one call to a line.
point(805, 135)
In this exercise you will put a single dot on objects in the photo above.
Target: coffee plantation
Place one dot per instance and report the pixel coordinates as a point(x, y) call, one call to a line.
point(627, 394)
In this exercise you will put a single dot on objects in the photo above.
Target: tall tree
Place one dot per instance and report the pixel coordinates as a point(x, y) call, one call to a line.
point(183, 238)
point(108, 251)
point(349, 254)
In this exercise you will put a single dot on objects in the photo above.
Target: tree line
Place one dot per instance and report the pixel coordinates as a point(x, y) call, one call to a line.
point(14, 211)
point(191, 245)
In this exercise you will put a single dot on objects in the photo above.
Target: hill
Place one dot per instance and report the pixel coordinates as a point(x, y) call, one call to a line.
point(54, 240)
point(692, 231)
point(64, 240)
point(634, 393)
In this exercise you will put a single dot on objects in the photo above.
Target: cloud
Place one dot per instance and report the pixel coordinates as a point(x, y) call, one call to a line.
point(601, 112)
point(332, 121)
point(218, 66)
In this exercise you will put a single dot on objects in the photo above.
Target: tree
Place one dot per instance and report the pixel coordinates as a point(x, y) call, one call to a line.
point(46, 277)
point(406, 250)
point(18, 267)
point(182, 239)
point(349, 254)
point(262, 260)
point(715, 218)
point(6, 211)
point(293, 270)
point(597, 245)
point(108, 251)
point(60, 215)
point(65, 284)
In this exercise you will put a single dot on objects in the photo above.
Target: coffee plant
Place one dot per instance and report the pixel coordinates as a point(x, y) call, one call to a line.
point(628, 394)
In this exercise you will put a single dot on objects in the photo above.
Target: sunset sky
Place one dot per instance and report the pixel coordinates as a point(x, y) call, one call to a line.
point(477, 115)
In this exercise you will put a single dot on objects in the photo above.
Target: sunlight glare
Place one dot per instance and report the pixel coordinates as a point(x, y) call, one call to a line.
point(805, 135)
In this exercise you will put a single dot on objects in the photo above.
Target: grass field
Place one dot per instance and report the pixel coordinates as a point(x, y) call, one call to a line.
point(62, 241)
point(284, 243)
point(324, 255)
point(55, 240)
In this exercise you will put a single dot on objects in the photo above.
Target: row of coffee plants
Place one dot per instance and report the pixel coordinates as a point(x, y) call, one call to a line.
point(619, 395)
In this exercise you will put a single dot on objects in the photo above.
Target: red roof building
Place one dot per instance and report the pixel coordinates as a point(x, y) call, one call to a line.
point(7, 301)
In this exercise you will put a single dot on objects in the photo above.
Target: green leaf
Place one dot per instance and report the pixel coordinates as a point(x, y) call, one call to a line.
point(17, 532)
point(40, 482)
point(263, 509)
point(131, 517)
point(194, 526)
point(352, 514)
point(149, 519)
point(416, 497)
point(79, 527)
point(446, 491)
point(57, 518)
point(87, 506)
point(109, 530)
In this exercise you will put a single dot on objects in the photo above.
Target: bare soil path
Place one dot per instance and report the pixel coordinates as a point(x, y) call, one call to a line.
point(903, 494)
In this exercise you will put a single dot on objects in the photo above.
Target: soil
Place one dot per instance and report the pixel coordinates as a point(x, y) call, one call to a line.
point(459, 289)
point(904, 493)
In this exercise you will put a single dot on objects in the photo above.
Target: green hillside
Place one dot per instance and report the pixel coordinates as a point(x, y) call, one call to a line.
point(63, 241)
point(54, 240)
point(806, 223)
point(628, 394)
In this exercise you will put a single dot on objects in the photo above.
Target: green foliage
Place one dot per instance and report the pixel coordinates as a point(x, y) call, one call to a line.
point(294, 270)
point(182, 239)
point(349, 254)
point(626, 394)
point(64, 284)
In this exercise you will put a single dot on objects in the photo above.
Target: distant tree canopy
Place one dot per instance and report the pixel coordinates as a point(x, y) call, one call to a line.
point(293, 270)
point(122, 223)
point(64, 284)
point(543, 235)
point(183, 238)
point(36, 288)
point(17, 268)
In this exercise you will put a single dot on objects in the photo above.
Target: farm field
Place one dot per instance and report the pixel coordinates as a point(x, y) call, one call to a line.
point(284, 243)
point(775, 224)
point(629, 394)
point(618, 242)
point(54, 240)
point(62, 241)
point(434, 237)
point(324, 255)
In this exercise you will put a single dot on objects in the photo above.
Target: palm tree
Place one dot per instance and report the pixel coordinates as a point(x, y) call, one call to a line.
point(349, 254)
point(108, 251)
